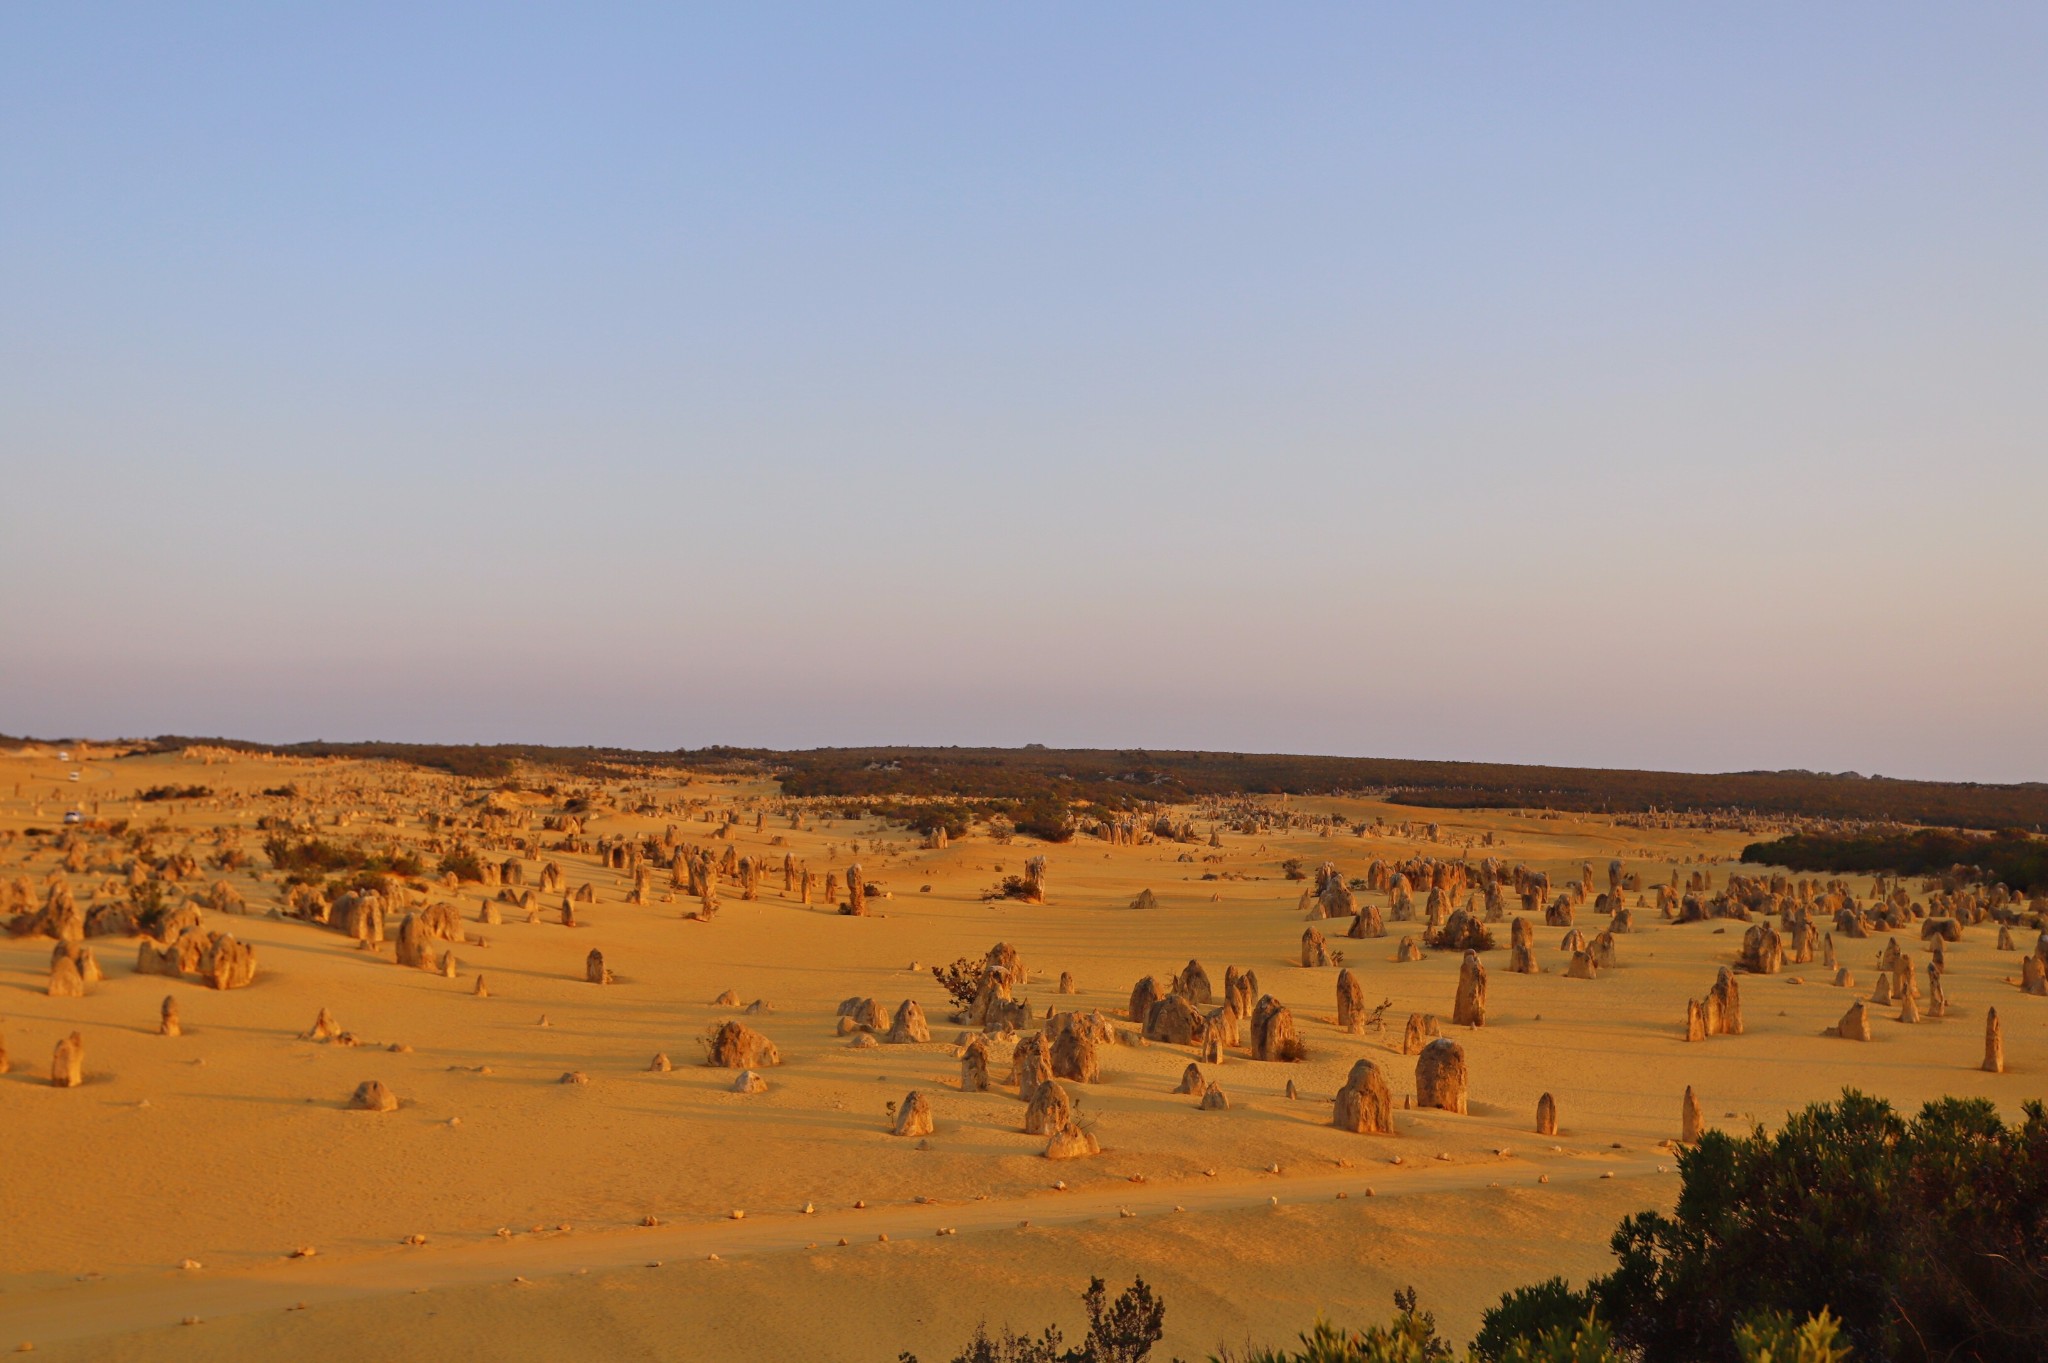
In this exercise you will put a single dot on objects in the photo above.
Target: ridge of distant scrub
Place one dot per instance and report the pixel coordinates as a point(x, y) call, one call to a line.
point(2011, 857)
point(1128, 779)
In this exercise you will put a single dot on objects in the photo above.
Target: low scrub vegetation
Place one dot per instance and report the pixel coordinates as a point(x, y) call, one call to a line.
point(1119, 1331)
point(156, 793)
point(2012, 858)
point(1853, 1233)
point(463, 864)
point(961, 980)
point(1126, 780)
point(306, 859)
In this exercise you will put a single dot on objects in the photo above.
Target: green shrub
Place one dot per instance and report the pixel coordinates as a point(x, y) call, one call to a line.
point(927, 818)
point(155, 793)
point(1774, 1337)
point(1929, 1236)
point(1046, 817)
point(1120, 1331)
point(309, 858)
point(1527, 1312)
point(1409, 1338)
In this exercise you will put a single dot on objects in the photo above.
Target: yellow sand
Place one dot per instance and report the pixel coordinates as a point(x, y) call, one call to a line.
point(231, 1145)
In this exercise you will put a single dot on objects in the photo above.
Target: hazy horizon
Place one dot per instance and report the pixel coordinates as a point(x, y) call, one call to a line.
point(1593, 388)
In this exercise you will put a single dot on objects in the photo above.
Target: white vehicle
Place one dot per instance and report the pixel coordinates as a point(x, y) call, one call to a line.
point(63, 757)
point(74, 776)
point(74, 816)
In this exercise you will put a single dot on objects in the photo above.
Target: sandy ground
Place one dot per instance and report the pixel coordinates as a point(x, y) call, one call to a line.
point(232, 1145)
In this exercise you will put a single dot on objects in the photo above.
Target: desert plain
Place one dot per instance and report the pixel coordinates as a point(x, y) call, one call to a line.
point(547, 1187)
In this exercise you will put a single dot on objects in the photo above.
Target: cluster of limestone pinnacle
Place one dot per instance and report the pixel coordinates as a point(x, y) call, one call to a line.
point(1048, 1058)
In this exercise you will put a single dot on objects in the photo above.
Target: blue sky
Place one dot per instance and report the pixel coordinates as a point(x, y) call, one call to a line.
point(1587, 384)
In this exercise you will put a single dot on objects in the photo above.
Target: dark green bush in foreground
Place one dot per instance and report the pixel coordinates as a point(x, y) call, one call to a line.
point(1853, 1234)
point(1928, 1237)
point(1120, 1331)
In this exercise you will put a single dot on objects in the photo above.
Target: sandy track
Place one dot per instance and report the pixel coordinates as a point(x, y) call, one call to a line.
point(96, 1308)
